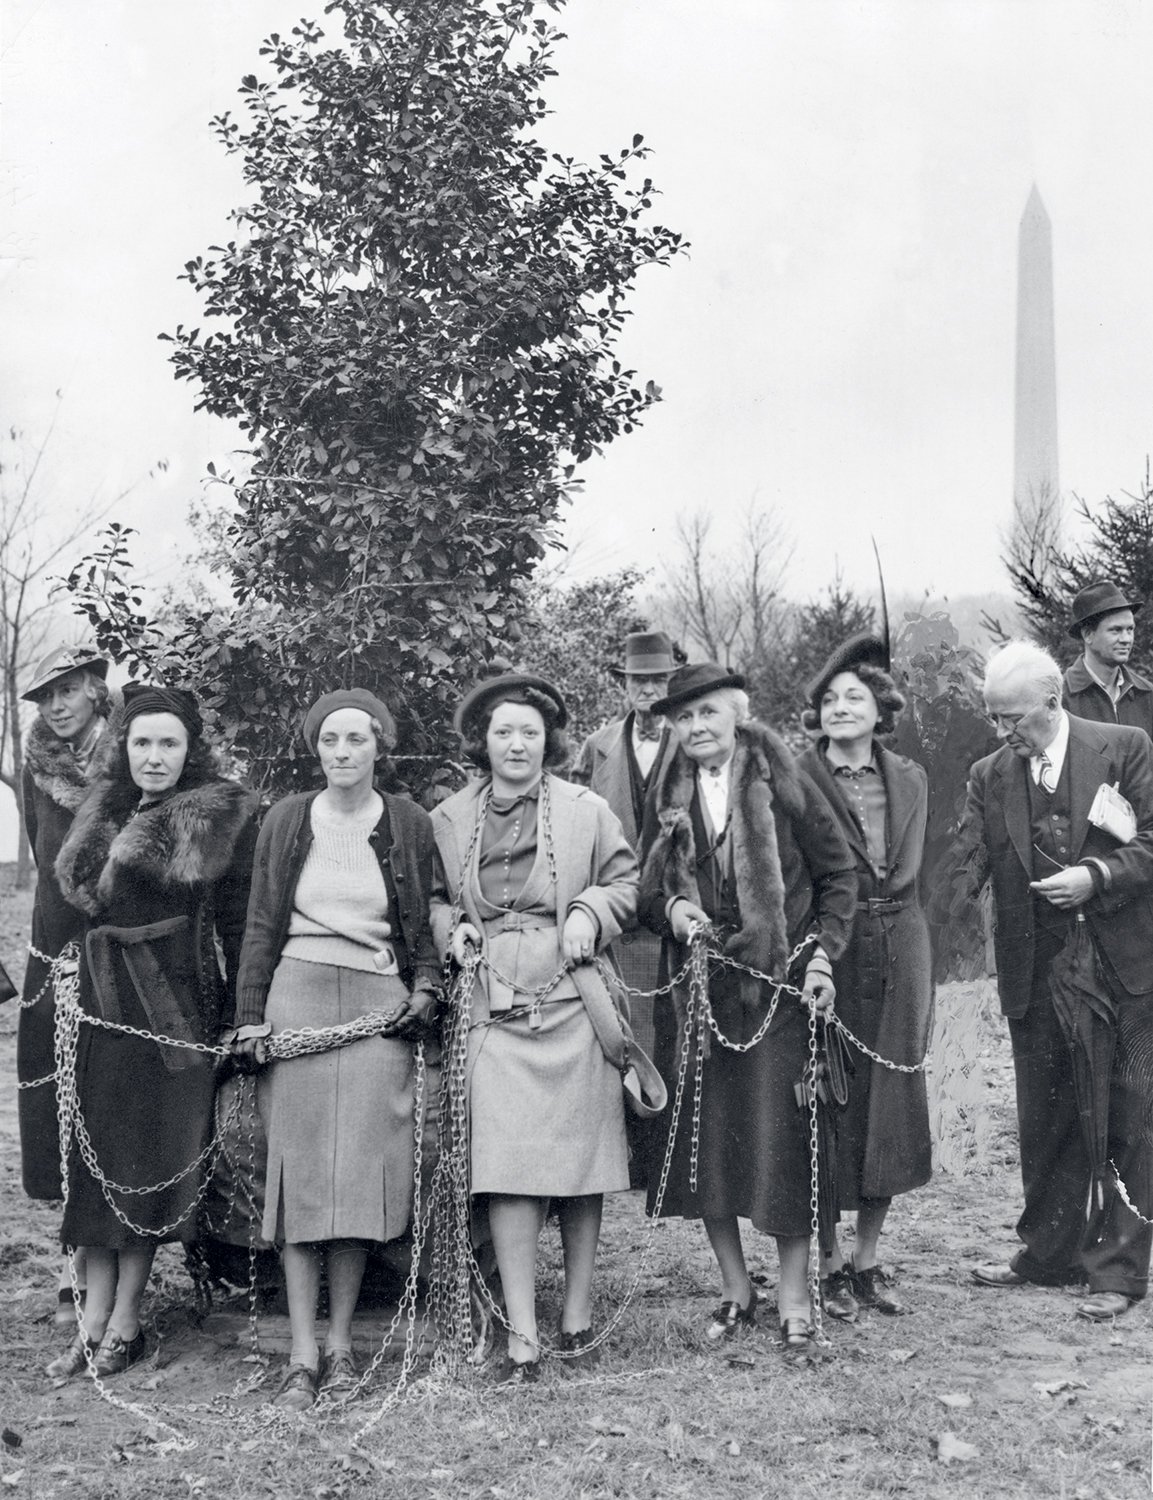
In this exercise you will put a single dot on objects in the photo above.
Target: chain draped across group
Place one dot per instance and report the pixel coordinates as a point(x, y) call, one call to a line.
point(442, 1224)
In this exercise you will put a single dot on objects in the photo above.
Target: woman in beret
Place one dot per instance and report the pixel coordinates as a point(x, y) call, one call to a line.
point(538, 877)
point(337, 929)
point(739, 839)
point(884, 977)
point(158, 860)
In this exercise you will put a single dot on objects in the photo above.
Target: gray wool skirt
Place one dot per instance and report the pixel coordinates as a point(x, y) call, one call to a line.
point(339, 1123)
point(546, 1111)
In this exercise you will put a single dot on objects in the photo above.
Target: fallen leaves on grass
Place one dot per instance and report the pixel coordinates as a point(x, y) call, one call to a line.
point(950, 1449)
point(902, 1356)
point(954, 1398)
point(607, 1426)
point(1055, 1387)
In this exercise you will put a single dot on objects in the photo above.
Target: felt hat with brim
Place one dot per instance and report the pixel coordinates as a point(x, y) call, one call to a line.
point(695, 681)
point(647, 654)
point(360, 698)
point(1098, 599)
point(59, 662)
point(863, 650)
point(493, 689)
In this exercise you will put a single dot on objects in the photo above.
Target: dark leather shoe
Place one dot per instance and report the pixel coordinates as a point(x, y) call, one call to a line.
point(796, 1333)
point(514, 1372)
point(1101, 1306)
point(340, 1373)
point(298, 1389)
point(837, 1295)
point(116, 1355)
point(64, 1313)
point(729, 1317)
point(994, 1275)
point(74, 1359)
point(576, 1345)
point(872, 1289)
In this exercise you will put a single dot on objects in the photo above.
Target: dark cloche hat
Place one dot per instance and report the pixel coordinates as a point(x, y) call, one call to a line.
point(647, 654)
point(1098, 599)
point(151, 698)
point(360, 698)
point(863, 650)
point(59, 662)
point(694, 681)
point(491, 689)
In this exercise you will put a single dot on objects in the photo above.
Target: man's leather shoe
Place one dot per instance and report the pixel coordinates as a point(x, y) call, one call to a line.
point(837, 1297)
point(116, 1355)
point(1102, 1306)
point(871, 1288)
point(993, 1275)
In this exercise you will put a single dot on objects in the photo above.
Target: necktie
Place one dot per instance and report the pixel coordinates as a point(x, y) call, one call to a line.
point(1045, 778)
point(651, 733)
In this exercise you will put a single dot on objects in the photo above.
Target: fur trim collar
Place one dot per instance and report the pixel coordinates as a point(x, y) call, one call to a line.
point(187, 840)
point(764, 774)
point(55, 770)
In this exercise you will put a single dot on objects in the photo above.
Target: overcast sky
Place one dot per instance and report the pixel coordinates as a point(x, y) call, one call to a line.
point(838, 343)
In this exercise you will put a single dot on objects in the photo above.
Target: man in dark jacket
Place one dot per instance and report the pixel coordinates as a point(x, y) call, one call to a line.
point(1100, 685)
point(1027, 830)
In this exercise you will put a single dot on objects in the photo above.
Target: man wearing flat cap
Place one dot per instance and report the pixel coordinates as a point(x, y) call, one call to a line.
point(622, 763)
point(1100, 685)
point(72, 702)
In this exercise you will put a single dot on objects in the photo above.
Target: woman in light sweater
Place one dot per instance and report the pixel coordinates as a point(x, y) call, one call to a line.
point(337, 928)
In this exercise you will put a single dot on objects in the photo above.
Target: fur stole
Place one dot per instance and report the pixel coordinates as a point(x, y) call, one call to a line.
point(56, 771)
point(764, 774)
point(188, 839)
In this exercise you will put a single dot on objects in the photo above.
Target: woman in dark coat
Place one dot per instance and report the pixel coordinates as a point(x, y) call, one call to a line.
point(338, 929)
point(884, 978)
point(60, 754)
point(158, 861)
point(739, 837)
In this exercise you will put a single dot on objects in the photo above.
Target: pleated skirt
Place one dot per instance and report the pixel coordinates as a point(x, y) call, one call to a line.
point(339, 1123)
point(546, 1112)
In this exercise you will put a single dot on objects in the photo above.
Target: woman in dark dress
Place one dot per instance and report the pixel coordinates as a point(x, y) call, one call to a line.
point(158, 861)
point(738, 837)
point(884, 978)
point(60, 754)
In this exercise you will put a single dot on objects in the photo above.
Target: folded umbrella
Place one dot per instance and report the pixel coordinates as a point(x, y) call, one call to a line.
point(1087, 1014)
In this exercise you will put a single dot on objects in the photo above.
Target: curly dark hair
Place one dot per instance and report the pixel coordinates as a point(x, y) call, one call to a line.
point(473, 740)
point(889, 699)
point(201, 765)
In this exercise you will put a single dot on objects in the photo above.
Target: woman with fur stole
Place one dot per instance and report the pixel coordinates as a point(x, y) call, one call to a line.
point(158, 860)
point(60, 755)
point(739, 839)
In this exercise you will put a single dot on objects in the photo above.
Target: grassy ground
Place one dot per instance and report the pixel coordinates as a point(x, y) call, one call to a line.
point(977, 1393)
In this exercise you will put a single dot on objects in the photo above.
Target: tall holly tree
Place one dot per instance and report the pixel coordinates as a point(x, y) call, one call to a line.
point(415, 326)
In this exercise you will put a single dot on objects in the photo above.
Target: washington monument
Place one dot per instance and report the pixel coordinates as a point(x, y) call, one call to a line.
point(1035, 458)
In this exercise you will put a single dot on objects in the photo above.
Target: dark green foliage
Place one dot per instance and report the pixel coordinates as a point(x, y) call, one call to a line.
point(573, 634)
point(1046, 577)
point(414, 325)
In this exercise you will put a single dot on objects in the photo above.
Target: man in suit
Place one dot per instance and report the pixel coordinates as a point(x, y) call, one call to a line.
point(1026, 829)
point(1100, 685)
point(622, 763)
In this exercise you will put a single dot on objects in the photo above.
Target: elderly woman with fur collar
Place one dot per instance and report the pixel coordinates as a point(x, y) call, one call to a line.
point(60, 752)
point(884, 978)
point(739, 838)
point(157, 860)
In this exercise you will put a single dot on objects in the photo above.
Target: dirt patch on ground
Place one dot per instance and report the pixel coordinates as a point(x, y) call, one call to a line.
point(976, 1393)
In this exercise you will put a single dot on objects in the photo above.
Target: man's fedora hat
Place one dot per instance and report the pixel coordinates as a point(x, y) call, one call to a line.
point(491, 689)
point(59, 662)
point(1098, 599)
point(862, 650)
point(648, 653)
point(693, 681)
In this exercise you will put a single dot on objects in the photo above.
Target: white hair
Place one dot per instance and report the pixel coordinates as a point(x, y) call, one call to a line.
point(1024, 659)
point(737, 699)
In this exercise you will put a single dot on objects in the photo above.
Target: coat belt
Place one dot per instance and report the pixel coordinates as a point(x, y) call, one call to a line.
point(882, 906)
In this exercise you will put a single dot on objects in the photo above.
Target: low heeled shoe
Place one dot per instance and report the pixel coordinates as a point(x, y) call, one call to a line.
point(115, 1355)
point(1099, 1307)
point(871, 1289)
point(513, 1372)
point(74, 1359)
point(731, 1316)
point(995, 1275)
point(340, 1373)
point(796, 1332)
point(298, 1389)
point(578, 1346)
point(837, 1297)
